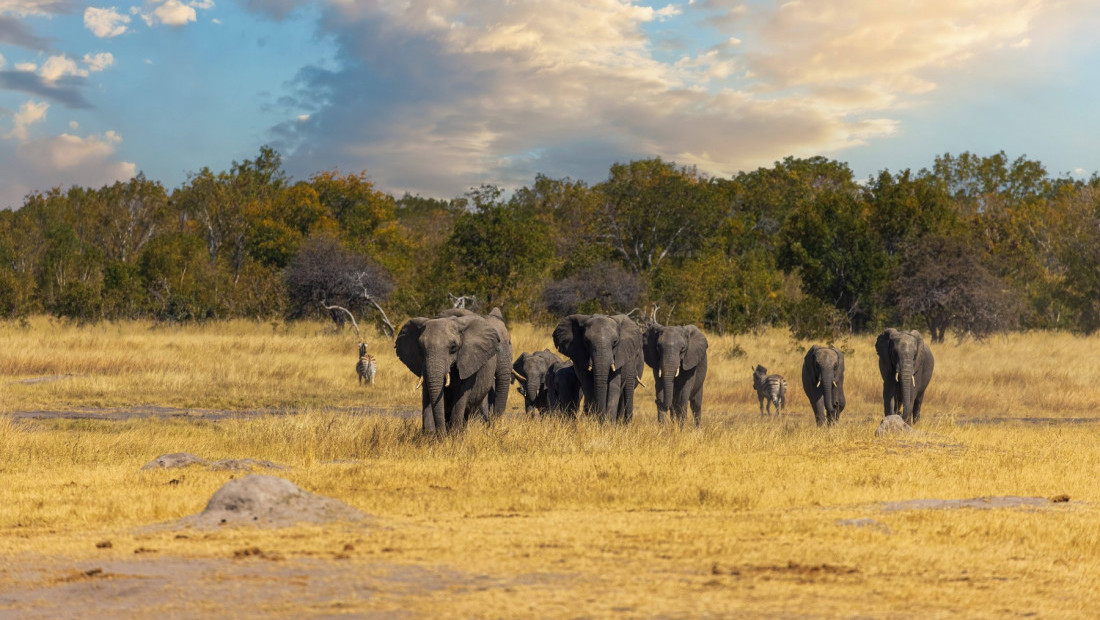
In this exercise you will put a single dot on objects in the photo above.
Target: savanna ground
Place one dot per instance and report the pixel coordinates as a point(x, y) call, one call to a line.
point(539, 517)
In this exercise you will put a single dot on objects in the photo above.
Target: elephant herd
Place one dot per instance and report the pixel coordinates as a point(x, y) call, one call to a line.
point(465, 367)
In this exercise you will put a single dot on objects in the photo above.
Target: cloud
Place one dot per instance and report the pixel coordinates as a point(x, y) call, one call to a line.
point(437, 97)
point(105, 23)
point(99, 62)
point(66, 91)
point(38, 7)
point(14, 32)
point(29, 113)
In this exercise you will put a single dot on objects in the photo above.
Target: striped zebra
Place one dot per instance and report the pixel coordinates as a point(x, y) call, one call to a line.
point(770, 388)
point(366, 366)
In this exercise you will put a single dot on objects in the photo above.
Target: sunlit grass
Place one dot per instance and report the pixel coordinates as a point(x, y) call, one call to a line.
point(741, 514)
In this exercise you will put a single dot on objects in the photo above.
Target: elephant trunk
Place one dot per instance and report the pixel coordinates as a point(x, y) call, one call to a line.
point(905, 377)
point(669, 366)
point(531, 391)
point(503, 382)
point(601, 370)
point(827, 380)
point(435, 377)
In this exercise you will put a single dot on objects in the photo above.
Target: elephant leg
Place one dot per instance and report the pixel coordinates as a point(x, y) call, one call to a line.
point(819, 410)
point(917, 400)
point(889, 407)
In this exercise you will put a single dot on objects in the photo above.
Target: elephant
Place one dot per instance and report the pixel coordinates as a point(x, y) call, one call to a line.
point(823, 381)
point(906, 364)
point(455, 359)
point(496, 401)
point(546, 382)
point(678, 356)
point(532, 371)
point(607, 358)
point(563, 388)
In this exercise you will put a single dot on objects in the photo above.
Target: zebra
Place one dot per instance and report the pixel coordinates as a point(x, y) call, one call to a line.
point(772, 388)
point(366, 365)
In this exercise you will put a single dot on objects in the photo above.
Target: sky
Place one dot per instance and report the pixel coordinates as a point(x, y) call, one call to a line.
point(437, 97)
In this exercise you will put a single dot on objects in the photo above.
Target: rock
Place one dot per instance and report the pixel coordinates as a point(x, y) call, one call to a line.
point(177, 459)
point(243, 465)
point(892, 424)
point(267, 501)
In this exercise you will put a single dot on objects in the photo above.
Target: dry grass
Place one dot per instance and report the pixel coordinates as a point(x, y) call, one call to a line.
point(549, 518)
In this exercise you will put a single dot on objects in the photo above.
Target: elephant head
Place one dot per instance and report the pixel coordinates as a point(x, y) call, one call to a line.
point(499, 392)
point(905, 363)
point(606, 354)
point(670, 350)
point(823, 381)
point(531, 370)
point(447, 353)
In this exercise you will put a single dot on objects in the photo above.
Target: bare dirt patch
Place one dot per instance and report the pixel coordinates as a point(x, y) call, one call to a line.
point(980, 503)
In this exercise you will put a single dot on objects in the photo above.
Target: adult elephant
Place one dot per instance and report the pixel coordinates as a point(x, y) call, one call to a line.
point(678, 356)
point(497, 398)
point(607, 358)
point(823, 381)
point(906, 364)
point(455, 359)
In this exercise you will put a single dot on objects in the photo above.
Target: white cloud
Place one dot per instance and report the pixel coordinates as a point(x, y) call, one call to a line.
point(99, 62)
point(105, 23)
point(28, 67)
point(202, 5)
point(29, 113)
point(59, 66)
point(61, 161)
point(174, 13)
point(32, 7)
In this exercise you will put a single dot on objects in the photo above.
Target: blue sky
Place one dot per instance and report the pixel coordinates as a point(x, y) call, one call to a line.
point(437, 97)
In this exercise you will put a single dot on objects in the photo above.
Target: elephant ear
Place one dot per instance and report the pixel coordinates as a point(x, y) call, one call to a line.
point(518, 366)
point(407, 345)
point(649, 346)
point(569, 336)
point(629, 351)
point(696, 347)
point(882, 345)
point(479, 343)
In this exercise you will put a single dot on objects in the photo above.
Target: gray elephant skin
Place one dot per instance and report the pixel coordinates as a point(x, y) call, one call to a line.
point(547, 383)
point(823, 381)
point(678, 356)
point(496, 401)
point(607, 358)
point(906, 364)
point(455, 357)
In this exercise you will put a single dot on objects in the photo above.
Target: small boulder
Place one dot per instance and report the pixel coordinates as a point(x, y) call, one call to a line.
point(892, 425)
point(267, 501)
point(177, 459)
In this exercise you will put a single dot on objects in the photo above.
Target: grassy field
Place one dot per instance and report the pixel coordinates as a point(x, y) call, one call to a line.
point(744, 516)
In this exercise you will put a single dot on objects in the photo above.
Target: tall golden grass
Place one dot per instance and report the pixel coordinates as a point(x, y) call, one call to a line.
point(746, 515)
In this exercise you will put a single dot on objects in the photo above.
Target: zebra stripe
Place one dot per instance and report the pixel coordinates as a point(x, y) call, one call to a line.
point(366, 365)
point(769, 388)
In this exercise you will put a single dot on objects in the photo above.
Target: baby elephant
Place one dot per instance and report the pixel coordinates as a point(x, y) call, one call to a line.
point(823, 380)
point(546, 383)
point(771, 389)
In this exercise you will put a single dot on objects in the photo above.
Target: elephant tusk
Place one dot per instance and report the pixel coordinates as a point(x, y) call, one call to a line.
point(897, 378)
point(677, 372)
point(612, 366)
point(419, 382)
point(518, 376)
point(640, 382)
point(659, 373)
point(818, 383)
point(834, 384)
point(447, 380)
point(914, 378)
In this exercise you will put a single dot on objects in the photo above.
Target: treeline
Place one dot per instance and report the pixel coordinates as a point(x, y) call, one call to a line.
point(973, 245)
